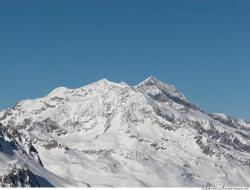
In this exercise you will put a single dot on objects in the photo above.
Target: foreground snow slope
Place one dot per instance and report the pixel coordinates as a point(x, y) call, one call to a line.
point(113, 134)
point(21, 166)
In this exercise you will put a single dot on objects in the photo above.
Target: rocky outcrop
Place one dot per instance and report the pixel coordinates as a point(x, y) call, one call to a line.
point(19, 177)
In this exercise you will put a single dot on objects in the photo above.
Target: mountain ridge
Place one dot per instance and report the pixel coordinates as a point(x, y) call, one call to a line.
point(143, 135)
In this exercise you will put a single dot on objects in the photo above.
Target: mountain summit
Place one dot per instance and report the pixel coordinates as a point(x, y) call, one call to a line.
point(113, 134)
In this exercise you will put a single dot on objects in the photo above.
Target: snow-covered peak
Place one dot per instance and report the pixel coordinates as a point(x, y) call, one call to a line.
point(91, 90)
point(104, 81)
point(150, 79)
point(154, 87)
point(107, 83)
point(60, 91)
point(63, 91)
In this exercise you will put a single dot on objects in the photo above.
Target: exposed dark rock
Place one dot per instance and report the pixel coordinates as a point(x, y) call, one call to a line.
point(52, 144)
point(19, 178)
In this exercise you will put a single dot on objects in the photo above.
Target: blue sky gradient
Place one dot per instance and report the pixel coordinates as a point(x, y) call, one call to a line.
point(202, 47)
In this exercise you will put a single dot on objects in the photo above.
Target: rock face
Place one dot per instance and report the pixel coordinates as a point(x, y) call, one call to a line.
point(14, 172)
point(19, 178)
point(113, 134)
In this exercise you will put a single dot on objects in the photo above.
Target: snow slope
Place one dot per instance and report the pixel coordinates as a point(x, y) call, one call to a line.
point(19, 165)
point(113, 134)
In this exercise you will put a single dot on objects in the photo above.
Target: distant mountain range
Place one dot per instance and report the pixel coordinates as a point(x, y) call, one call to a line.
point(110, 134)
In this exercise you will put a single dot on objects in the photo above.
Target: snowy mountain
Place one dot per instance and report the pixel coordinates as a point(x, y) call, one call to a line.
point(113, 134)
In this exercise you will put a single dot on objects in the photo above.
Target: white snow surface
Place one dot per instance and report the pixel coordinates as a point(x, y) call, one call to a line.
point(114, 135)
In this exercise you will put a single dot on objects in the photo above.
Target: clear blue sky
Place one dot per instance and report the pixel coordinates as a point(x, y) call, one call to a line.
point(201, 46)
